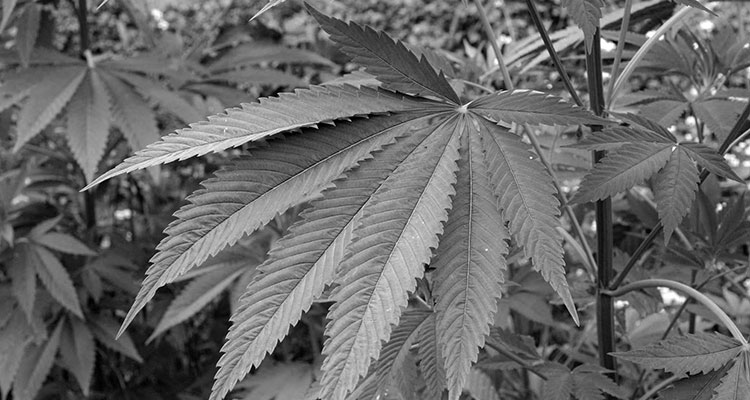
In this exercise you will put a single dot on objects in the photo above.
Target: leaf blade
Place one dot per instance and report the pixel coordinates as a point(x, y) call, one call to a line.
point(257, 121)
point(674, 189)
point(390, 62)
point(386, 257)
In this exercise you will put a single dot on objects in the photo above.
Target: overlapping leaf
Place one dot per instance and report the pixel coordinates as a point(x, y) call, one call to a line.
point(303, 262)
point(46, 99)
point(78, 353)
point(35, 366)
point(393, 241)
point(257, 121)
point(531, 107)
point(431, 363)
point(252, 190)
point(198, 293)
point(586, 14)
point(469, 267)
point(688, 354)
point(130, 114)
point(390, 62)
point(527, 200)
point(674, 190)
point(88, 122)
point(632, 164)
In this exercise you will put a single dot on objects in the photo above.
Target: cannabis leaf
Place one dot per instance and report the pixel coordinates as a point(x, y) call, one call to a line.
point(647, 150)
point(470, 267)
point(585, 382)
point(390, 61)
point(586, 14)
point(392, 179)
point(700, 353)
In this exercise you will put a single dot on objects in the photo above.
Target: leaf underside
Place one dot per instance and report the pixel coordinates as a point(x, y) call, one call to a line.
point(469, 267)
point(253, 189)
point(302, 263)
point(392, 243)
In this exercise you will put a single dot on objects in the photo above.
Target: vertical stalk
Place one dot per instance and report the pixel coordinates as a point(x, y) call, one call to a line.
point(604, 303)
point(83, 25)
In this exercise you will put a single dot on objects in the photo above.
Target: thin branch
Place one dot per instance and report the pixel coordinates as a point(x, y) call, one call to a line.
point(620, 45)
point(493, 42)
point(694, 294)
point(552, 52)
point(633, 63)
point(523, 363)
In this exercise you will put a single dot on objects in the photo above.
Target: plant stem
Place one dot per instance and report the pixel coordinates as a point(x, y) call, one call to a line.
point(605, 318)
point(493, 42)
point(620, 45)
point(694, 294)
point(520, 361)
point(83, 25)
point(552, 52)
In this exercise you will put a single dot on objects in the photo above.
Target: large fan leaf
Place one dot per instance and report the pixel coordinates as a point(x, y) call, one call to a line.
point(198, 293)
point(261, 120)
point(392, 243)
point(674, 189)
point(527, 200)
point(689, 354)
point(530, 107)
point(469, 267)
point(304, 261)
point(130, 114)
point(166, 99)
point(88, 123)
point(431, 362)
point(631, 165)
point(586, 14)
point(390, 62)
point(252, 190)
point(699, 387)
point(46, 99)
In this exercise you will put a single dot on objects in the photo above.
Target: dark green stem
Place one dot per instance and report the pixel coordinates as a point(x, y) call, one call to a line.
point(552, 52)
point(604, 305)
point(83, 25)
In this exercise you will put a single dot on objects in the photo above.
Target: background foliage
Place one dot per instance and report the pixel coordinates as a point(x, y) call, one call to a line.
point(83, 87)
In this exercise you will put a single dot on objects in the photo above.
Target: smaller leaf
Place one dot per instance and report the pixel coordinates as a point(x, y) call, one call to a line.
point(23, 277)
point(674, 190)
point(271, 4)
point(28, 30)
point(696, 4)
point(709, 159)
point(64, 243)
point(78, 352)
point(105, 329)
point(689, 354)
point(697, 387)
point(57, 281)
point(15, 337)
point(480, 386)
point(46, 99)
point(586, 14)
point(8, 7)
point(35, 366)
point(197, 294)
point(631, 165)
